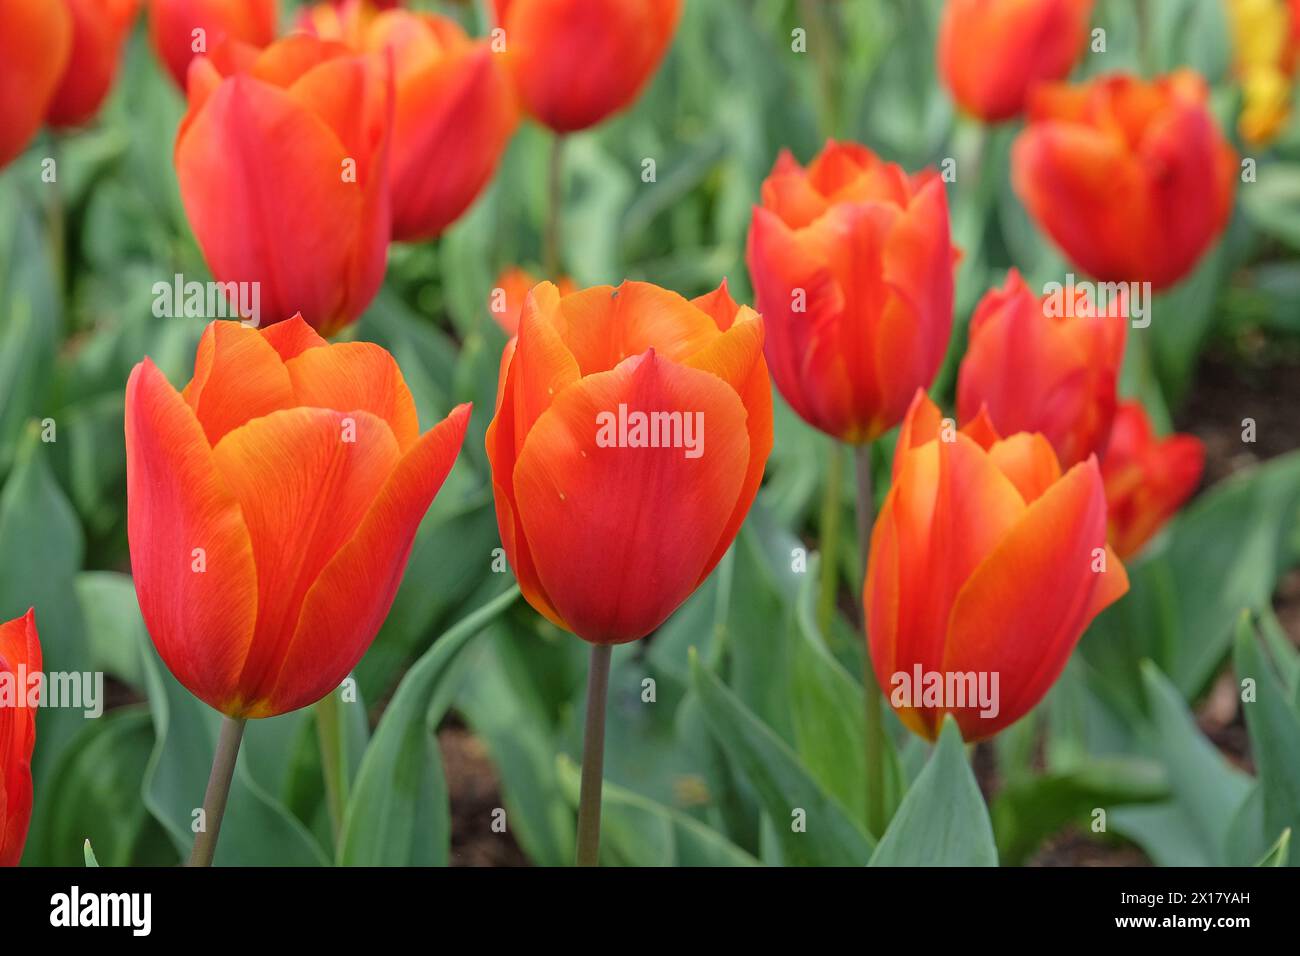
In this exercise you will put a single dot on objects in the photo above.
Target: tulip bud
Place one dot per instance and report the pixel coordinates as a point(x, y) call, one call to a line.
point(506, 300)
point(454, 114)
point(283, 168)
point(993, 52)
point(852, 266)
point(183, 29)
point(1133, 180)
point(1147, 479)
point(99, 28)
point(575, 62)
point(271, 507)
point(1037, 369)
point(987, 564)
point(629, 440)
point(20, 658)
point(34, 48)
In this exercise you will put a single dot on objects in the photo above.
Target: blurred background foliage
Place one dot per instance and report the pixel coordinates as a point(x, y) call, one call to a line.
point(754, 710)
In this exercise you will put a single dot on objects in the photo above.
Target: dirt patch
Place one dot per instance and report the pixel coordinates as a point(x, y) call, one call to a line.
point(475, 793)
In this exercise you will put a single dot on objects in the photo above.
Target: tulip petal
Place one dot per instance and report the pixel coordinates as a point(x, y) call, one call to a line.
point(356, 376)
point(621, 535)
point(34, 47)
point(1029, 461)
point(349, 600)
point(602, 325)
point(238, 376)
point(191, 554)
point(292, 337)
point(306, 476)
point(1023, 609)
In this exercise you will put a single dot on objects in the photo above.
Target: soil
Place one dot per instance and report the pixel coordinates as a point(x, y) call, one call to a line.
point(476, 803)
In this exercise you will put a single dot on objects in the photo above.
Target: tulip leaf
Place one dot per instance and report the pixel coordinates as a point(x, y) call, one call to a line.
point(398, 812)
point(113, 624)
point(1280, 853)
point(812, 827)
point(88, 853)
point(638, 831)
point(1274, 726)
point(942, 820)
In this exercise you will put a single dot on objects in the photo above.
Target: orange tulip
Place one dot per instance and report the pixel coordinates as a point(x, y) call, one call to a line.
point(20, 657)
point(1133, 180)
point(987, 564)
point(575, 62)
point(852, 265)
point(628, 443)
point(271, 507)
point(455, 110)
point(1039, 368)
point(172, 26)
point(993, 52)
point(99, 28)
point(1147, 479)
point(34, 48)
point(506, 302)
point(283, 169)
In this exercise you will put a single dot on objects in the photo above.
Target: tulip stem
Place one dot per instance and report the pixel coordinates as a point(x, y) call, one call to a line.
point(830, 540)
point(329, 731)
point(555, 200)
point(875, 724)
point(593, 756)
point(214, 800)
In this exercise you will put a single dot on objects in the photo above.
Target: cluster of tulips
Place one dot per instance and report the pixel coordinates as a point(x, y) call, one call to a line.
point(274, 498)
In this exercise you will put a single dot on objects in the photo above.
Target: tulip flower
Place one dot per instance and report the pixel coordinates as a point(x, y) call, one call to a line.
point(1133, 180)
point(182, 29)
point(629, 440)
point(34, 48)
point(1147, 479)
point(609, 529)
point(1266, 50)
point(1038, 367)
point(283, 169)
point(20, 657)
point(852, 265)
point(987, 564)
point(271, 506)
point(575, 62)
point(506, 301)
point(993, 52)
point(99, 29)
point(455, 110)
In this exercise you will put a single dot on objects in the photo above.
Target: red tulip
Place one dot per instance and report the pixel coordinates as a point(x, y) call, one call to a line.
point(993, 52)
point(282, 160)
point(629, 440)
point(506, 302)
point(987, 564)
point(1133, 180)
point(577, 61)
point(1037, 369)
point(455, 110)
point(1147, 479)
point(271, 507)
point(99, 28)
point(20, 657)
point(852, 265)
point(34, 48)
point(172, 26)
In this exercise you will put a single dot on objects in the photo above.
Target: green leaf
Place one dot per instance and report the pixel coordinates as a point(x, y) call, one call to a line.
point(398, 812)
point(89, 854)
point(1026, 813)
point(1272, 202)
point(1274, 726)
point(942, 820)
point(1280, 853)
point(638, 831)
point(113, 624)
point(833, 836)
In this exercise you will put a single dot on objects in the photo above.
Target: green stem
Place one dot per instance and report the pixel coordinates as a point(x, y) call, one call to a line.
point(333, 755)
point(554, 202)
point(830, 539)
point(593, 756)
point(822, 39)
point(875, 723)
point(214, 799)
